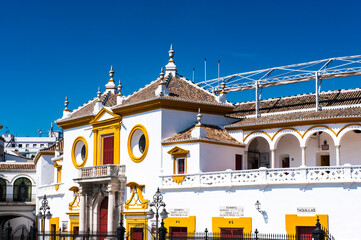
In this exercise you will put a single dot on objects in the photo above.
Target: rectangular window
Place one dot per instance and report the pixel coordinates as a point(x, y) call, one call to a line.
point(180, 165)
point(231, 233)
point(304, 233)
point(179, 233)
point(27, 145)
point(239, 165)
point(20, 145)
point(108, 150)
point(41, 145)
point(34, 145)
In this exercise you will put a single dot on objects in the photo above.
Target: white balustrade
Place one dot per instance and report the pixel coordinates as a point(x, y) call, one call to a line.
point(109, 170)
point(264, 176)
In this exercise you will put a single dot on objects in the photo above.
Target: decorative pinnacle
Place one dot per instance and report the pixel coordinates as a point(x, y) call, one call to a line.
point(223, 85)
point(199, 116)
point(161, 75)
point(111, 72)
point(99, 93)
point(66, 103)
point(120, 87)
point(171, 52)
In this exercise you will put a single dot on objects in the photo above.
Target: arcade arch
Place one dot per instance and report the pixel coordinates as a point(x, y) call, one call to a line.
point(258, 154)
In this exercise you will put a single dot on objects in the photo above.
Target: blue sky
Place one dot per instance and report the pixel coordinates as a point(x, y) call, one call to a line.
point(53, 49)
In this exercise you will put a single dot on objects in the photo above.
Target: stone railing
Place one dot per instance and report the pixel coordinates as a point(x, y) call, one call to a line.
point(266, 177)
point(109, 170)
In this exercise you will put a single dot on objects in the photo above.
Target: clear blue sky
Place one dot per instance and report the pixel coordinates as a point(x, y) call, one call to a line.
point(53, 49)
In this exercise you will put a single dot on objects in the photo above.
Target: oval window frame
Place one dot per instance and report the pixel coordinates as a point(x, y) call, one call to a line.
point(130, 152)
point(73, 158)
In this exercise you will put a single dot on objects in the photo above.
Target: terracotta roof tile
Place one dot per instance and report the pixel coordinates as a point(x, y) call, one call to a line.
point(214, 133)
point(17, 166)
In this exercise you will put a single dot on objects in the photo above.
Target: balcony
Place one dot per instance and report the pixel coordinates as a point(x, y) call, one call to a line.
point(263, 177)
point(103, 172)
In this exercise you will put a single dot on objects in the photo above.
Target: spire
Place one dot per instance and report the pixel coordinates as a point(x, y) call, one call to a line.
point(199, 131)
point(120, 96)
point(162, 85)
point(98, 104)
point(66, 111)
point(171, 68)
point(110, 86)
point(222, 98)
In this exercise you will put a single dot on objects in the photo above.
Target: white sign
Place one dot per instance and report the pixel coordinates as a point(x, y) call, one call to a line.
point(231, 211)
point(179, 212)
point(306, 211)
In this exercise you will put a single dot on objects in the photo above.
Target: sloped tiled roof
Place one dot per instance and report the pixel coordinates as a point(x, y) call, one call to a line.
point(214, 133)
point(179, 88)
point(17, 166)
point(299, 102)
point(335, 105)
point(87, 109)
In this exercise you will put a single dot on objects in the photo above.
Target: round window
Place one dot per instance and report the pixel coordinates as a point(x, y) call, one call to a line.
point(79, 152)
point(138, 143)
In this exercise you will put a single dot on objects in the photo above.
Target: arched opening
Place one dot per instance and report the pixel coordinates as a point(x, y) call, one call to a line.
point(320, 150)
point(258, 153)
point(350, 148)
point(288, 152)
point(103, 216)
point(22, 190)
point(2, 190)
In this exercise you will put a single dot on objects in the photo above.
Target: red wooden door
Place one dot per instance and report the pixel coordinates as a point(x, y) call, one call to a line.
point(239, 162)
point(305, 233)
point(108, 150)
point(103, 217)
point(231, 233)
point(179, 233)
point(137, 234)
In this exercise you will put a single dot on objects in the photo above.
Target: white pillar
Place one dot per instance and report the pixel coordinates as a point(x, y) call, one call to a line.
point(82, 211)
point(111, 207)
point(273, 158)
point(303, 156)
point(338, 160)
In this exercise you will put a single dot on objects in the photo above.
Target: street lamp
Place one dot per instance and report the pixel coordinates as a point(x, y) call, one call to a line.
point(258, 207)
point(44, 212)
point(157, 203)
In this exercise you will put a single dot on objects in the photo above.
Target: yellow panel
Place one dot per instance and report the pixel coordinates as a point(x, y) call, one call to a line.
point(130, 152)
point(74, 222)
point(222, 222)
point(293, 221)
point(54, 221)
point(188, 222)
point(137, 223)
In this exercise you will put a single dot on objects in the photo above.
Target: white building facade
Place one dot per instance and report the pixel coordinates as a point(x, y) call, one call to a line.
point(212, 161)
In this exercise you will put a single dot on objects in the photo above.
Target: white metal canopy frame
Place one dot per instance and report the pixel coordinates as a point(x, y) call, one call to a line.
point(317, 70)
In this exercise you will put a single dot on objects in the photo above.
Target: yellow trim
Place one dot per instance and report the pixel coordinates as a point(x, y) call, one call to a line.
point(78, 139)
point(282, 129)
point(293, 221)
point(105, 131)
point(222, 222)
point(135, 213)
point(130, 152)
point(72, 213)
point(188, 222)
point(137, 223)
point(95, 150)
point(74, 222)
point(348, 125)
point(317, 126)
point(58, 175)
point(56, 222)
point(74, 122)
point(75, 204)
point(114, 119)
point(139, 202)
point(40, 154)
point(257, 136)
point(178, 179)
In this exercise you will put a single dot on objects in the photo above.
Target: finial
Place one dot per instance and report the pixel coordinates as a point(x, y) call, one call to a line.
point(111, 72)
point(199, 116)
point(161, 75)
point(223, 85)
point(66, 103)
point(99, 93)
point(120, 87)
point(171, 52)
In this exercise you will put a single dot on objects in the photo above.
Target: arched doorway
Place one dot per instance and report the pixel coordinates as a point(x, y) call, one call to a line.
point(288, 152)
point(22, 190)
point(258, 153)
point(320, 149)
point(103, 217)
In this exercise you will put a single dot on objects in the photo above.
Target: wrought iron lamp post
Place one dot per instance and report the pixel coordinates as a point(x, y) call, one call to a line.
point(44, 212)
point(157, 204)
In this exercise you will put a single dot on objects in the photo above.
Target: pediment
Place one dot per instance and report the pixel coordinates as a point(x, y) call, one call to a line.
point(178, 150)
point(104, 116)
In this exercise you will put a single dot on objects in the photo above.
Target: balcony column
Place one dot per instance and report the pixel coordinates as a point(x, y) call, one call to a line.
point(303, 156)
point(245, 160)
point(273, 158)
point(111, 208)
point(82, 211)
point(338, 160)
